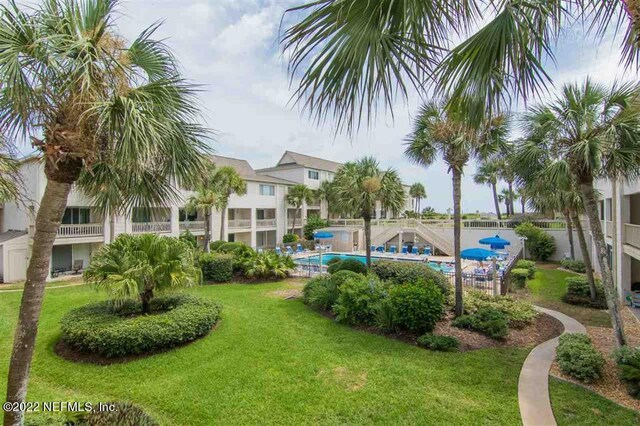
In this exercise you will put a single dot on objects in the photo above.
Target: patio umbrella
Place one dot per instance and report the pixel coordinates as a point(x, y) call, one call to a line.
point(477, 254)
point(320, 235)
point(496, 243)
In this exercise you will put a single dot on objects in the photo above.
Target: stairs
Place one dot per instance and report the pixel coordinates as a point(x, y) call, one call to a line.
point(388, 232)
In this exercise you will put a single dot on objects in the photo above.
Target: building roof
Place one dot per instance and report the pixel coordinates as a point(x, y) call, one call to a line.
point(247, 172)
point(295, 158)
point(10, 235)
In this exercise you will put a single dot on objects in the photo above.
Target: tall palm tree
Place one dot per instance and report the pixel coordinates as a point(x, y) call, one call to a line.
point(297, 196)
point(417, 192)
point(505, 197)
point(203, 201)
point(489, 174)
point(594, 129)
point(325, 193)
point(360, 185)
point(85, 96)
point(225, 182)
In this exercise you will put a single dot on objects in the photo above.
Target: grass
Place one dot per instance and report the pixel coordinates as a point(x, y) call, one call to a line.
point(57, 283)
point(276, 361)
point(547, 289)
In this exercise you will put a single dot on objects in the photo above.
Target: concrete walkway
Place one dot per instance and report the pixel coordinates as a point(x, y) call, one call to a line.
point(15, 290)
point(533, 384)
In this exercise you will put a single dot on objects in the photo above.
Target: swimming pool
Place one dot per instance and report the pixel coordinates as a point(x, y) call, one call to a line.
point(315, 260)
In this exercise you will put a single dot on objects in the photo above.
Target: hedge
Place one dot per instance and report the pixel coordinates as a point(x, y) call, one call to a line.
point(519, 312)
point(579, 293)
point(519, 277)
point(352, 265)
point(528, 265)
point(416, 306)
point(216, 267)
point(628, 360)
point(488, 321)
point(574, 265)
point(410, 272)
point(215, 245)
point(437, 342)
point(99, 329)
point(230, 247)
point(578, 357)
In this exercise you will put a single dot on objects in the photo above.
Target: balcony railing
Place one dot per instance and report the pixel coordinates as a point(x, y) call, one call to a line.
point(240, 223)
point(154, 227)
point(609, 228)
point(192, 225)
point(81, 230)
point(266, 223)
point(471, 224)
point(299, 222)
point(632, 235)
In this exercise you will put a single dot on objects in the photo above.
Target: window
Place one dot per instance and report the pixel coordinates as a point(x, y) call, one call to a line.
point(260, 214)
point(75, 216)
point(609, 209)
point(269, 190)
point(313, 174)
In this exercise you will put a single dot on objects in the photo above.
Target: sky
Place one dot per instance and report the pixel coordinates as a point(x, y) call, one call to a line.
point(230, 47)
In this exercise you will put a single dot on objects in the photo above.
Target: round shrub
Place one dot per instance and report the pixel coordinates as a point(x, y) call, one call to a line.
point(417, 306)
point(215, 245)
point(341, 277)
point(99, 329)
point(241, 257)
point(519, 312)
point(579, 293)
point(411, 272)
point(320, 292)
point(519, 277)
point(437, 342)
point(539, 244)
point(628, 360)
point(289, 238)
point(488, 321)
point(358, 300)
point(188, 238)
point(352, 265)
point(578, 357)
point(216, 267)
point(528, 265)
point(333, 261)
point(230, 247)
point(574, 265)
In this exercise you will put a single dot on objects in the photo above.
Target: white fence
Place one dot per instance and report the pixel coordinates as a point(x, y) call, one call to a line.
point(81, 230)
point(142, 227)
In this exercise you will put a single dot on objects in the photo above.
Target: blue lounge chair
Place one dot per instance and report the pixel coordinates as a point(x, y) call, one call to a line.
point(299, 249)
point(393, 250)
point(289, 250)
point(414, 250)
point(328, 247)
point(278, 250)
point(380, 249)
point(405, 250)
point(427, 251)
point(373, 248)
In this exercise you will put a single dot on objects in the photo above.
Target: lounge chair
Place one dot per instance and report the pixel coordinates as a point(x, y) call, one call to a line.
point(278, 250)
point(393, 250)
point(373, 248)
point(414, 250)
point(380, 249)
point(318, 247)
point(289, 250)
point(78, 265)
point(405, 250)
point(299, 248)
point(328, 247)
point(427, 251)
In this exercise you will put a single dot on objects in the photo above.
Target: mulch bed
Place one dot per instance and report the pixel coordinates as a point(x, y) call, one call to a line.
point(609, 385)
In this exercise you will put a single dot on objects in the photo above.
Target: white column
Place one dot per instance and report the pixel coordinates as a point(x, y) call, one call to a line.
point(128, 227)
point(106, 229)
point(400, 241)
point(175, 221)
point(254, 226)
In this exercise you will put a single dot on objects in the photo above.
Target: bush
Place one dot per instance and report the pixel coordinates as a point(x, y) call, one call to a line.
point(269, 265)
point(436, 342)
point(215, 245)
point(519, 312)
point(230, 247)
point(416, 306)
point(314, 223)
point(124, 414)
point(519, 277)
point(488, 321)
point(579, 293)
point(410, 272)
point(289, 238)
point(578, 358)
point(188, 238)
point(334, 260)
point(573, 265)
point(341, 277)
point(99, 329)
point(528, 265)
point(628, 360)
point(242, 256)
point(320, 292)
point(352, 265)
point(358, 300)
point(216, 267)
point(539, 244)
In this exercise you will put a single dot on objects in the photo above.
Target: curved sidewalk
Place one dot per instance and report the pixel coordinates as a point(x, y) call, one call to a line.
point(533, 384)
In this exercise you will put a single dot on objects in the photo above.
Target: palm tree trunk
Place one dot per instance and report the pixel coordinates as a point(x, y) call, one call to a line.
point(523, 203)
point(112, 226)
point(586, 257)
point(367, 239)
point(145, 298)
point(293, 224)
point(567, 220)
point(457, 224)
point(613, 301)
point(496, 202)
point(223, 215)
point(207, 231)
point(511, 208)
point(50, 212)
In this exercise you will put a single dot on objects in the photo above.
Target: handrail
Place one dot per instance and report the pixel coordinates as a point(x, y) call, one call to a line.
point(466, 223)
point(197, 225)
point(239, 223)
point(80, 230)
point(142, 227)
point(266, 223)
point(632, 234)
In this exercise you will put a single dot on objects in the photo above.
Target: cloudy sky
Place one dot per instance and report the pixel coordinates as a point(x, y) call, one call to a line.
point(230, 47)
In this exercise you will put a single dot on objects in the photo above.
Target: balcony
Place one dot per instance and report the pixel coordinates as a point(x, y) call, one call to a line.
point(266, 223)
point(192, 226)
point(632, 235)
point(608, 226)
point(299, 222)
point(240, 223)
point(153, 227)
point(81, 230)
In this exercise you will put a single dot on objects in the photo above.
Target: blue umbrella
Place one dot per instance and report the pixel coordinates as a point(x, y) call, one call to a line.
point(496, 242)
point(323, 235)
point(477, 254)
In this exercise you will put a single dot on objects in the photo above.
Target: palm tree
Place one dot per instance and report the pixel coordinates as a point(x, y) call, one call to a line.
point(505, 197)
point(141, 266)
point(489, 174)
point(325, 193)
point(417, 192)
point(360, 185)
point(204, 201)
point(296, 197)
point(84, 96)
point(594, 129)
point(225, 182)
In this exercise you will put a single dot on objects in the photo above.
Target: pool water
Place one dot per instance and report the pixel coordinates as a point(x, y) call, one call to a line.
point(315, 260)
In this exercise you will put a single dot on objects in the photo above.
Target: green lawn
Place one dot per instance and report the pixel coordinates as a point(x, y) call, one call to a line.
point(276, 361)
point(547, 289)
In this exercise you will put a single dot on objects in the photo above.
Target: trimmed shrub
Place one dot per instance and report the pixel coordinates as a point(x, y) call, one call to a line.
point(436, 342)
point(334, 260)
point(358, 300)
point(230, 247)
point(528, 265)
point(313, 223)
point(416, 306)
point(488, 321)
point(216, 267)
point(579, 293)
point(578, 357)
point(628, 360)
point(289, 238)
point(352, 265)
point(573, 265)
point(242, 257)
point(341, 277)
point(519, 277)
point(321, 292)
point(410, 272)
point(215, 245)
point(519, 312)
point(188, 238)
point(99, 328)
point(539, 244)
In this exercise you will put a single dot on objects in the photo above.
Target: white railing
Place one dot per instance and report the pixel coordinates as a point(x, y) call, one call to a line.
point(142, 227)
point(81, 230)
point(467, 223)
point(299, 222)
point(192, 225)
point(239, 223)
point(266, 223)
point(632, 235)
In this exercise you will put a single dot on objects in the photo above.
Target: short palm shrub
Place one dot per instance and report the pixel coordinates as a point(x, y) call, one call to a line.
point(241, 256)
point(358, 300)
point(540, 245)
point(519, 277)
point(118, 330)
point(352, 265)
point(216, 267)
point(269, 264)
point(436, 342)
point(230, 247)
point(578, 357)
point(321, 292)
point(528, 265)
point(215, 245)
point(573, 265)
point(488, 321)
point(410, 272)
point(520, 313)
point(579, 293)
point(416, 306)
point(123, 414)
point(188, 238)
point(289, 238)
point(628, 360)
point(141, 266)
